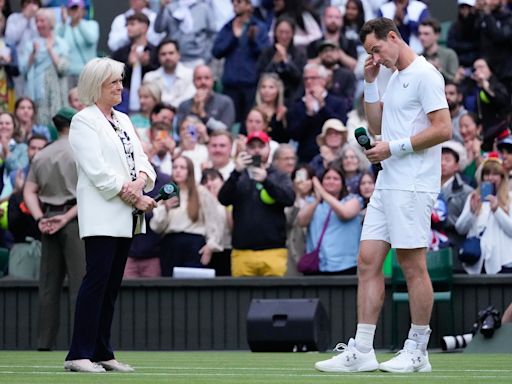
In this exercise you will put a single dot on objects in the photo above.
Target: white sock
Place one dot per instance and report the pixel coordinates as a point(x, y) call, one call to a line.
point(420, 334)
point(364, 337)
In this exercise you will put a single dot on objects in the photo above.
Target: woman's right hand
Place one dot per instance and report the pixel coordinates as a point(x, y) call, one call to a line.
point(474, 202)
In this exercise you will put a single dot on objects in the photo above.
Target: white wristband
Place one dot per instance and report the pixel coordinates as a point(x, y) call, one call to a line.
point(371, 92)
point(400, 147)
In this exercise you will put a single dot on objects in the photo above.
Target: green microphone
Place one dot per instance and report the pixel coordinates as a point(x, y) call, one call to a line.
point(165, 193)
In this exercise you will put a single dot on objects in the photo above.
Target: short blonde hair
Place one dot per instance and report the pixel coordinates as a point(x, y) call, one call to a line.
point(48, 14)
point(153, 89)
point(93, 76)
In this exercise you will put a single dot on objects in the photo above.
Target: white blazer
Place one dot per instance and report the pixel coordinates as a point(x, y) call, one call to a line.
point(102, 171)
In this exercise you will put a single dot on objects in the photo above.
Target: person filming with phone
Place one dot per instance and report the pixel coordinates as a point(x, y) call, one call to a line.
point(258, 193)
point(487, 214)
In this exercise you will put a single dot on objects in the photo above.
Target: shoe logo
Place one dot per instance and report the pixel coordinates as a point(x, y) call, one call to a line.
point(405, 85)
point(353, 358)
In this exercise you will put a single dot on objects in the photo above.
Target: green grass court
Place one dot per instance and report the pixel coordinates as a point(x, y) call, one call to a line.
point(247, 368)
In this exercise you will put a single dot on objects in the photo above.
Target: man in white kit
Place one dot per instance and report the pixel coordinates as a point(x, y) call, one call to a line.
point(413, 118)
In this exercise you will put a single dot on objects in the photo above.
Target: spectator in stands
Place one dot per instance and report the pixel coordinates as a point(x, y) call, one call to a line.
point(365, 189)
point(285, 159)
point(140, 57)
point(163, 113)
point(454, 98)
point(505, 150)
point(25, 112)
point(454, 190)
point(306, 21)
point(240, 42)
point(493, 217)
point(13, 153)
point(353, 20)
point(44, 62)
point(192, 25)
point(407, 15)
point(444, 59)
point(8, 69)
point(215, 110)
point(221, 261)
point(219, 153)
point(283, 58)
point(161, 147)
point(258, 194)
point(331, 141)
point(470, 130)
point(193, 230)
point(333, 31)
point(270, 99)
point(81, 35)
point(174, 79)
point(353, 163)
point(52, 181)
point(74, 100)
point(193, 136)
point(309, 113)
point(463, 35)
point(342, 81)
point(149, 96)
point(118, 35)
point(334, 204)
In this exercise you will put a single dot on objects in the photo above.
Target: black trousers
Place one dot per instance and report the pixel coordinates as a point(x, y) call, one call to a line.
point(180, 250)
point(105, 261)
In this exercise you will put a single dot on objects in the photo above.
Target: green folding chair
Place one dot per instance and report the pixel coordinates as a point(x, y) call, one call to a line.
point(440, 269)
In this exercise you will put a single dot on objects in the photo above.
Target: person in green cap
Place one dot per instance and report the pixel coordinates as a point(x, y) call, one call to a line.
point(50, 195)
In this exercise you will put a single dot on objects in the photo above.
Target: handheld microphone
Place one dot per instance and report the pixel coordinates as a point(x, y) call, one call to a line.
point(166, 192)
point(364, 141)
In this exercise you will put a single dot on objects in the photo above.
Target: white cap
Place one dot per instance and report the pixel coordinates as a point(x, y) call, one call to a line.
point(471, 3)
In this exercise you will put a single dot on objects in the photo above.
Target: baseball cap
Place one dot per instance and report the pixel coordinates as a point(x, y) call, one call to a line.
point(75, 3)
point(258, 135)
point(471, 3)
point(324, 44)
point(335, 124)
point(66, 113)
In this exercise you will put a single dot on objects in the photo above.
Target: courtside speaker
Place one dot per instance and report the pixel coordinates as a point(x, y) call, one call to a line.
point(287, 325)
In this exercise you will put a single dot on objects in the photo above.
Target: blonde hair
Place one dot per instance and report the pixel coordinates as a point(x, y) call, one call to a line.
point(153, 89)
point(94, 74)
point(277, 82)
point(48, 14)
point(496, 167)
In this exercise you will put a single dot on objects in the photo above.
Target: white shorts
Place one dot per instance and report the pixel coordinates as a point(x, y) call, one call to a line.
point(400, 218)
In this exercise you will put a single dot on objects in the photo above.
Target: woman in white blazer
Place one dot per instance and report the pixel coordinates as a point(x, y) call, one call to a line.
point(112, 172)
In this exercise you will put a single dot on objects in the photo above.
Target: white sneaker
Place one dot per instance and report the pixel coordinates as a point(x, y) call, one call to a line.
point(349, 360)
point(409, 359)
point(83, 365)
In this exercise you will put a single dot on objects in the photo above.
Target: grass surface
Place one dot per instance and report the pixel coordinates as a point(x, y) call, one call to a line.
point(247, 368)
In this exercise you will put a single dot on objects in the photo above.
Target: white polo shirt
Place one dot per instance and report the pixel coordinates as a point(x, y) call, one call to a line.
point(410, 95)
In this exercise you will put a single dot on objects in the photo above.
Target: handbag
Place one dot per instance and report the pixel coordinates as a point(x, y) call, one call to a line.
point(309, 263)
point(470, 251)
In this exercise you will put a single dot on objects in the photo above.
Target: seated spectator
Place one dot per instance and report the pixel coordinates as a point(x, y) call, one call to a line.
point(454, 98)
point(215, 110)
point(285, 159)
point(270, 99)
point(354, 18)
point(505, 150)
point(44, 62)
point(463, 35)
point(240, 43)
point(221, 260)
point(444, 59)
point(220, 147)
point(192, 230)
point(74, 100)
point(365, 189)
point(193, 135)
point(258, 194)
point(160, 147)
point(25, 112)
point(173, 78)
point(470, 129)
point(283, 58)
point(334, 205)
point(331, 141)
point(493, 217)
point(149, 96)
point(163, 113)
point(309, 113)
point(353, 163)
point(118, 35)
point(192, 25)
point(13, 154)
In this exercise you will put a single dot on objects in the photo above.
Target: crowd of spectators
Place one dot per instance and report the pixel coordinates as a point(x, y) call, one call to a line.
point(250, 108)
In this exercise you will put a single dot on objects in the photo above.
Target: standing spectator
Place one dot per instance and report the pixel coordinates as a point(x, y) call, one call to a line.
point(407, 15)
point(283, 57)
point(118, 35)
point(13, 153)
point(352, 166)
point(74, 100)
point(192, 25)
point(52, 181)
point(505, 150)
point(285, 159)
point(193, 135)
point(25, 112)
point(353, 20)
point(193, 230)
point(309, 113)
point(457, 110)
point(81, 35)
point(365, 189)
point(240, 42)
point(150, 95)
point(219, 153)
point(333, 204)
point(173, 78)
point(270, 99)
point(444, 59)
point(44, 62)
point(160, 147)
point(215, 110)
point(463, 35)
point(331, 141)
point(470, 131)
point(259, 194)
point(8, 70)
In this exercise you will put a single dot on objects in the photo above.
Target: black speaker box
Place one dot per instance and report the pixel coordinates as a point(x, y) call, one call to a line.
point(287, 325)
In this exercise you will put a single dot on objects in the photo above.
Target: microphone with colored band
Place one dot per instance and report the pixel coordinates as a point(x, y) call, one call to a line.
point(364, 141)
point(166, 192)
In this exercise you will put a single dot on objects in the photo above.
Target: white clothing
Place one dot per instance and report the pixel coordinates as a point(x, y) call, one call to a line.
point(400, 218)
point(302, 38)
point(164, 164)
point(226, 170)
point(496, 241)
point(183, 86)
point(410, 95)
point(102, 171)
point(19, 30)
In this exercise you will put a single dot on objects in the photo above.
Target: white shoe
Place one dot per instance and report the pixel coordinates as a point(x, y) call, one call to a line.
point(409, 359)
point(116, 366)
point(349, 360)
point(83, 365)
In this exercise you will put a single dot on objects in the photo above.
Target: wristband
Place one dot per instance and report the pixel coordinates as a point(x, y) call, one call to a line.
point(371, 92)
point(401, 147)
